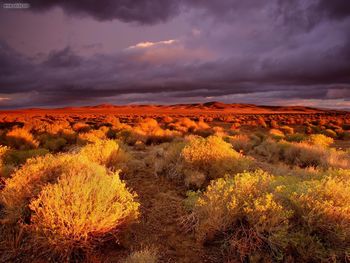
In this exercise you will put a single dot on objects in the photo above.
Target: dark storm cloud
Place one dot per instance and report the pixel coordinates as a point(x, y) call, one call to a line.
point(142, 11)
point(337, 9)
point(272, 50)
point(63, 58)
point(99, 78)
point(155, 11)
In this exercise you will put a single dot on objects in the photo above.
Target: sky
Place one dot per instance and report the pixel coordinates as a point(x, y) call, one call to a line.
point(275, 52)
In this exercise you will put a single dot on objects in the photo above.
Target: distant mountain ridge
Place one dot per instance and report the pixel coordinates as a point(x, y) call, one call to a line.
point(193, 108)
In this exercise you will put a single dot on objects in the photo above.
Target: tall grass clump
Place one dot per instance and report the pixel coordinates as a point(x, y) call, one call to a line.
point(81, 209)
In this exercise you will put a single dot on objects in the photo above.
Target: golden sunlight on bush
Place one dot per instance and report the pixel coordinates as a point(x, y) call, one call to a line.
point(148, 131)
point(106, 152)
point(28, 181)
point(276, 134)
point(92, 136)
point(83, 207)
point(212, 156)
point(198, 160)
point(320, 140)
point(3, 152)
point(323, 210)
point(303, 154)
point(22, 139)
point(244, 208)
point(263, 217)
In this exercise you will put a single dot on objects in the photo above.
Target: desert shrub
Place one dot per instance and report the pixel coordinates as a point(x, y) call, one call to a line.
point(286, 129)
point(320, 140)
point(83, 207)
point(3, 152)
point(21, 139)
point(274, 124)
point(322, 211)
point(54, 144)
point(3, 173)
point(194, 178)
point(211, 156)
point(197, 160)
point(302, 154)
point(109, 153)
point(269, 149)
point(241, 143)
point(92, 136)
point(146, 255)
point(345, 135)
point(18, 157)
point(245, 212)
point(218, 131)
point(167, 119)
point(264, 217)
point(167, 159)
point(296, 137)
point(235, 126)
point(28, 181)
point(184, 125)
point(306, 155)
point(330, 133)
point(261, 122)
point(81, 127)
point(276, 134)
point(148, 131)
